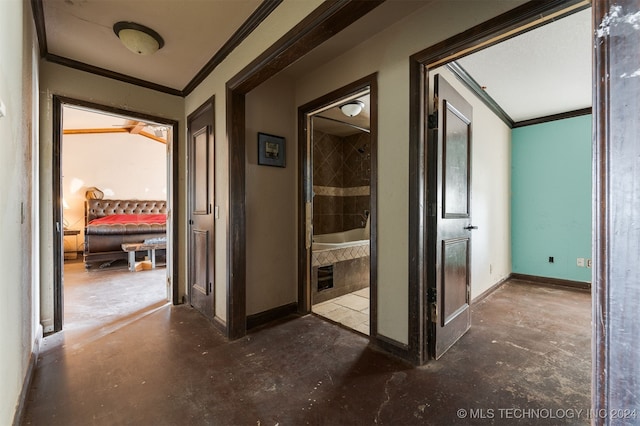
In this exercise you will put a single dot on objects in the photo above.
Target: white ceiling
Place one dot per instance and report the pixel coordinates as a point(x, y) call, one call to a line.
point(542, 72)
point(338, 124)
point(193, 31)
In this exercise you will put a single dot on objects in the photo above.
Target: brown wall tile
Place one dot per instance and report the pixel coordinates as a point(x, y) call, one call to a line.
point(340, 163)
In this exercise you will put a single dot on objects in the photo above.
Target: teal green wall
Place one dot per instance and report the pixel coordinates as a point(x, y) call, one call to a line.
point(551, 198)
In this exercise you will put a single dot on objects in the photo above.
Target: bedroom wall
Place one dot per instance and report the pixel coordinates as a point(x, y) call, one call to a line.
point(551, 202)
point(20, 332)
point(123, 166)
point(59, 80)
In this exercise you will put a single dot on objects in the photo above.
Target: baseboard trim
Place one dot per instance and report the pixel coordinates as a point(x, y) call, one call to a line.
point(28, 378)
point(576, 285)
point(393, 347)
point(262, 318)
point(490, 290)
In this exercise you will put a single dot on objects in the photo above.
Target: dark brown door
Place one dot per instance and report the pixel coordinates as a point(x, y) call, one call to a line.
point(201, 216)
point(450, 200)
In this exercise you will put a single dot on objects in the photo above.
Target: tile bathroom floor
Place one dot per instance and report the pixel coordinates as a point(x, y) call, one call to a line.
point(350, 310)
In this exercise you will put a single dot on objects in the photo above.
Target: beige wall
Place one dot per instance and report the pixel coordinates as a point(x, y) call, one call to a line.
point(388, 54)
point(68, 82)
point(271, 200)
point(122, 165)
point(19, 305)
point(283, 18)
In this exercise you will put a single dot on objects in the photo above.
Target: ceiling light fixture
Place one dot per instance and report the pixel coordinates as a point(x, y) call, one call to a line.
point(138, 38)
point(353, 108)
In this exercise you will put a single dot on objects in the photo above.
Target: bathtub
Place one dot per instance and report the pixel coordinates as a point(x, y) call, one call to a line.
point(335, 240)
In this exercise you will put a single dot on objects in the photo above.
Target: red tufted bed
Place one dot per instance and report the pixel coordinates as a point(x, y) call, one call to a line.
point(110, 223)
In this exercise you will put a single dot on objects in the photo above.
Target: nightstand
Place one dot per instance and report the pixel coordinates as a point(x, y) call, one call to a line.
point(72, 254)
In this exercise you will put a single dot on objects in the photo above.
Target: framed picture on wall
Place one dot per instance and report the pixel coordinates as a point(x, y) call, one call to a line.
point(271, 150)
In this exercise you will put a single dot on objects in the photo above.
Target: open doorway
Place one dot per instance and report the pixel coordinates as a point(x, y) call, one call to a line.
point(339, 174)
point(114, 185)
point(341, 165)
point(489, 271)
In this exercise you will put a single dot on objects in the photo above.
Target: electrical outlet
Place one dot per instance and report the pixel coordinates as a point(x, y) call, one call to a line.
point(588, 263)
point(550, 259)
point(580, 262)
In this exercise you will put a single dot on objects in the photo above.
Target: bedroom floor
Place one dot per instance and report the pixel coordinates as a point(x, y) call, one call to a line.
point(528, 349)
point(97, 300)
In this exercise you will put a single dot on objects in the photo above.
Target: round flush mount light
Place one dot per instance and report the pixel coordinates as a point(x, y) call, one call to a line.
point(353, 108)
point(138, 38)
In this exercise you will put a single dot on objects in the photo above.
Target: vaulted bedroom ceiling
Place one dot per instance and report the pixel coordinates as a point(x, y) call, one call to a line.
point(78, 121)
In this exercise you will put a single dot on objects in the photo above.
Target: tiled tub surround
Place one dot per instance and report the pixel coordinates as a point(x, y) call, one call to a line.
point(348, 276)
point(348, 253)
point(339, 254)
point(341, 181)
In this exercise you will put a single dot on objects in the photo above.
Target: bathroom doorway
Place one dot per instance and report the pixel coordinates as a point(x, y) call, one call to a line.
point(339, 178)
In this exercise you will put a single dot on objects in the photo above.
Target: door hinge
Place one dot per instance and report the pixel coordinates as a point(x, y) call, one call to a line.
point(209, 288)
point(433, 312)
point(432, 300)
point(432, 121)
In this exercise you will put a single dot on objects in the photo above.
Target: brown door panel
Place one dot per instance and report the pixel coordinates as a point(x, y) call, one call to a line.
point(449, 272)
point(201, 260)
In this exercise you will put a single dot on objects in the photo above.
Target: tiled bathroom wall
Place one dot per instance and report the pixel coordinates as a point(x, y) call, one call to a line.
point(341, 181)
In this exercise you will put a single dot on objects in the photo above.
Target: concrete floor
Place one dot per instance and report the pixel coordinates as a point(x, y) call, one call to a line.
point(528, 349)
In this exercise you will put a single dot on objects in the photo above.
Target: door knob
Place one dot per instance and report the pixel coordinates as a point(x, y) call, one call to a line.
point(470, 227)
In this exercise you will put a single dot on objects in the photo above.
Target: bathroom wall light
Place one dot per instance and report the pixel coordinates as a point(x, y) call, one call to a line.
point(353, 108)
point(138, 38)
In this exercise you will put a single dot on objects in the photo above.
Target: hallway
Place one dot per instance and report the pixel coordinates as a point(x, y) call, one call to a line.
point(528, 348)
